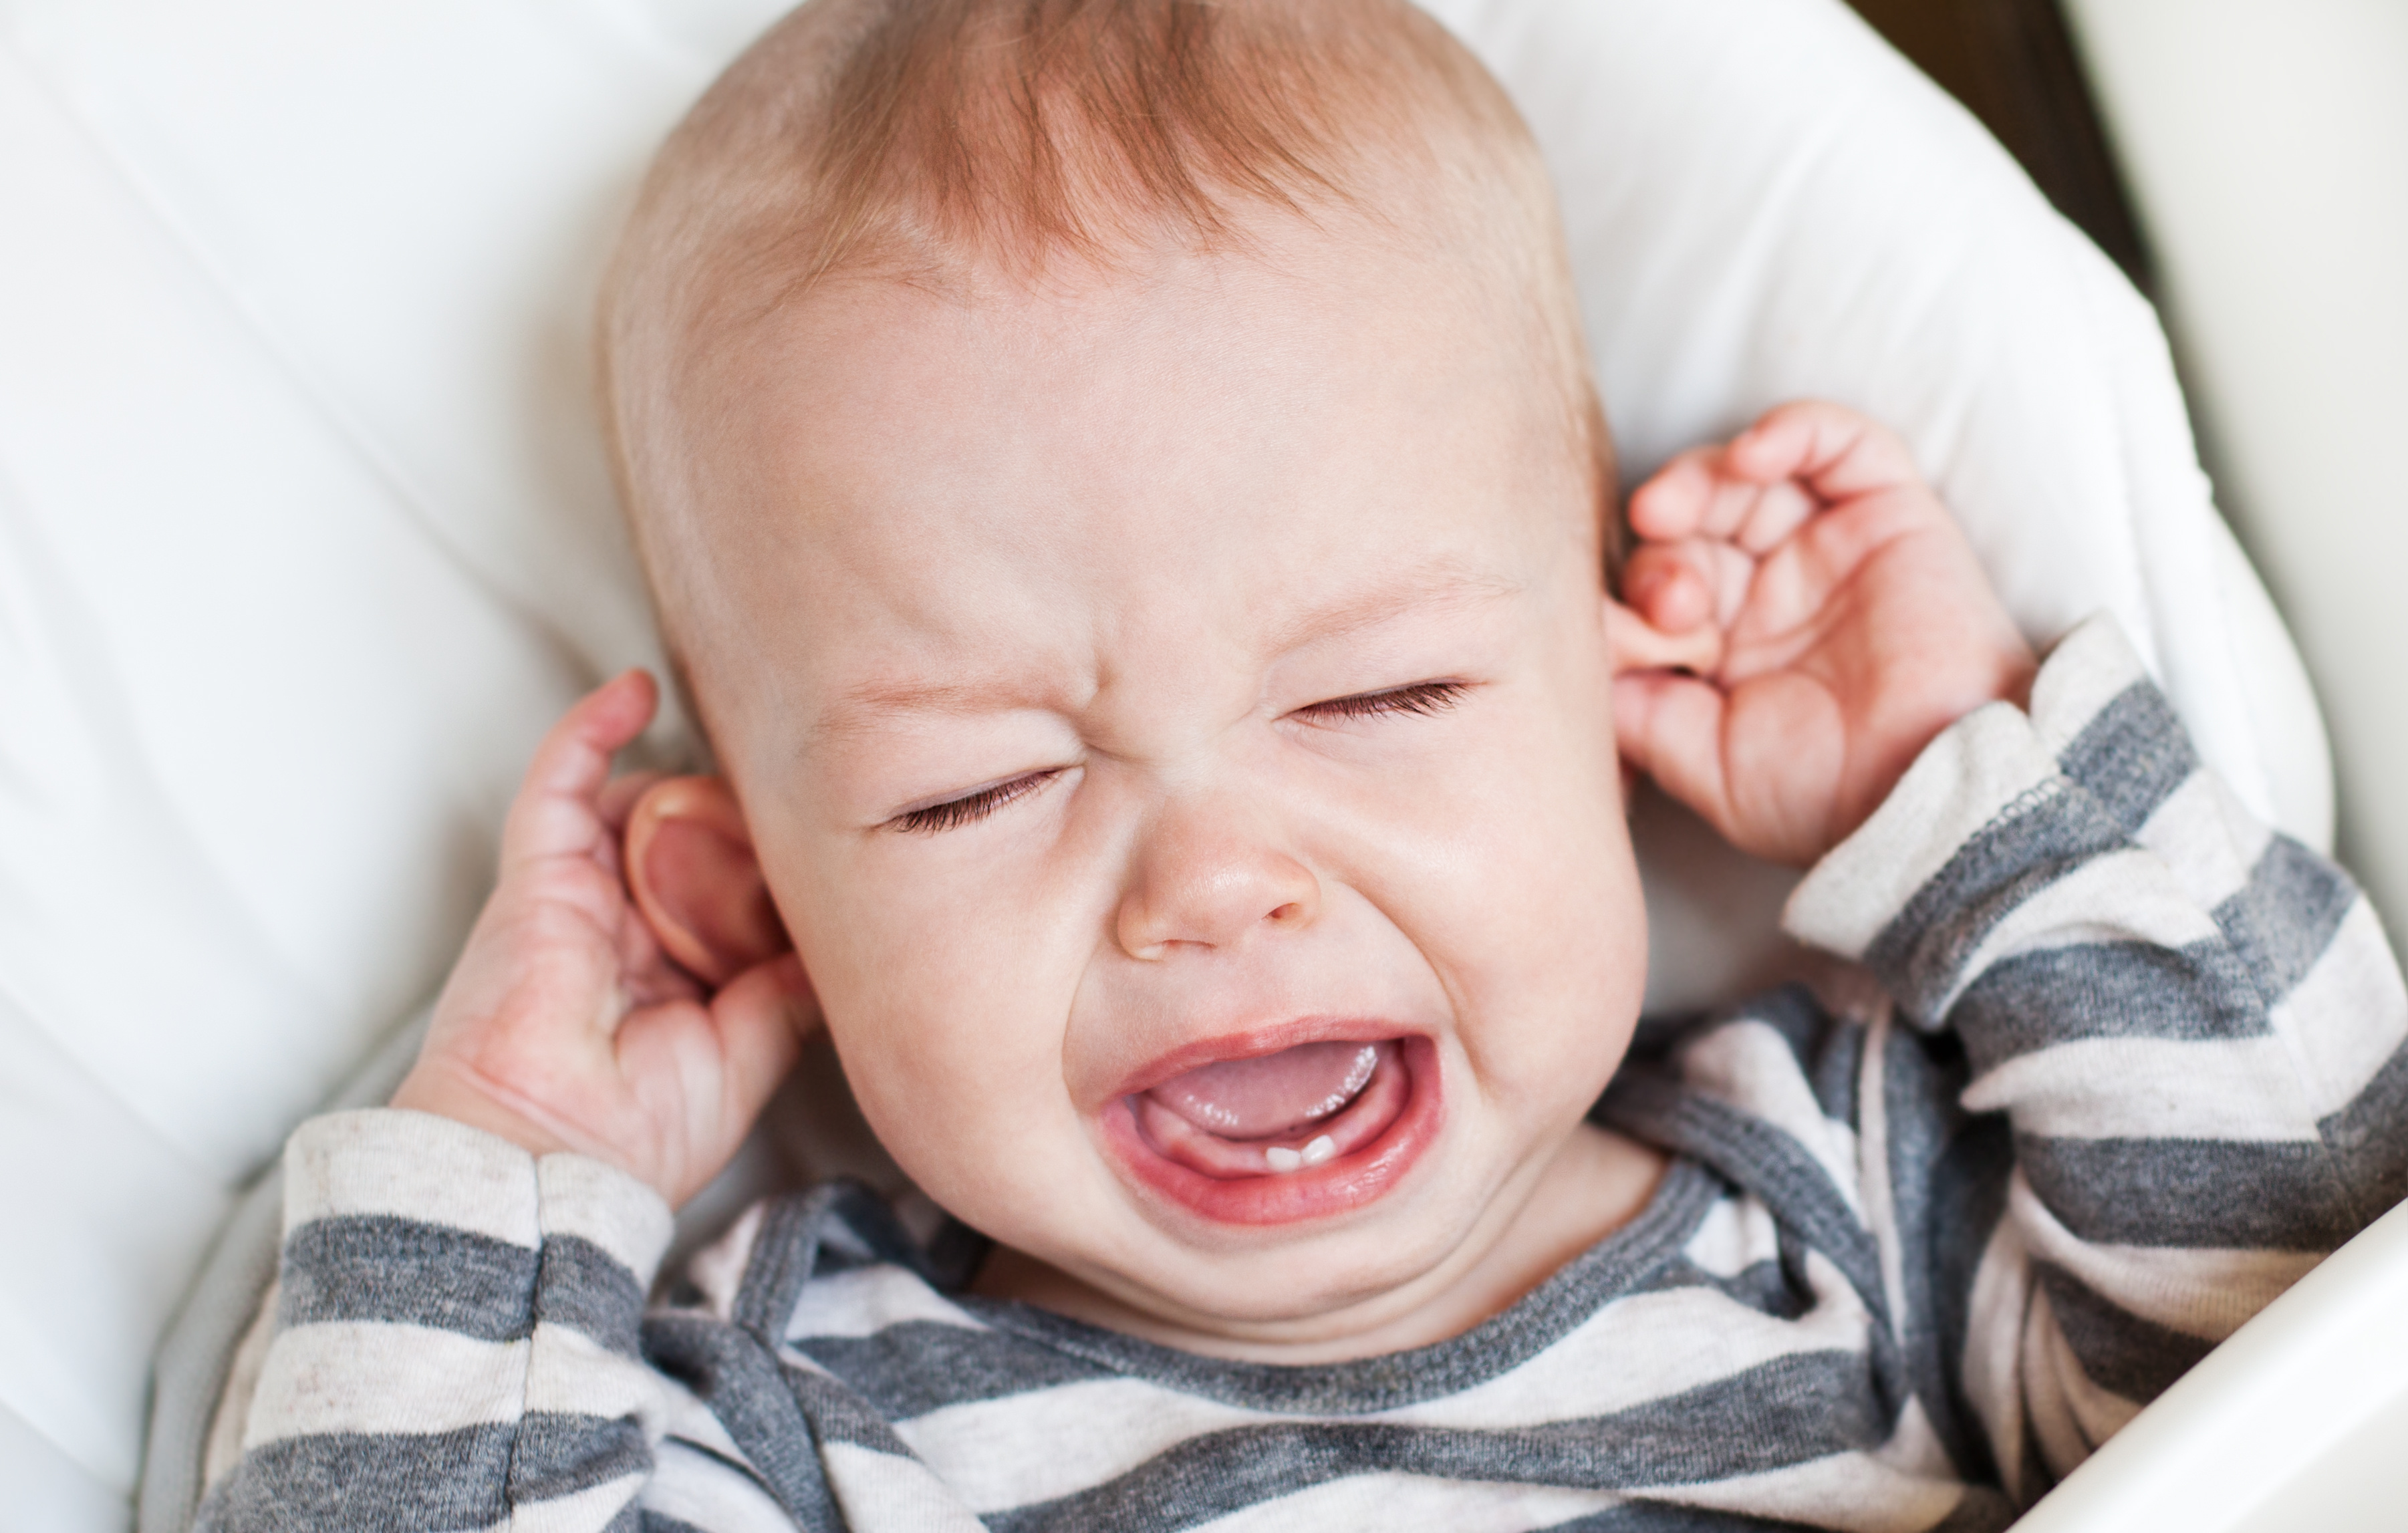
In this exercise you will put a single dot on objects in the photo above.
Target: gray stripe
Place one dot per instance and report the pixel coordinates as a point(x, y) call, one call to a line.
point(1948, 1172)
point(585, 1287)
point(382, 1269)
point(2034, 842)
point(733, 1372)
point(1783, 1413)
point(2283, 918)
point(2132, 756)
point(1827, 1049)
point(654, 1522)
point(424, 1482)
point(2134, 1357)
point(558, 1455)
point(1768, 1287)
point(377, 1267)
point(2198, 1193)
point(2367, 1143)
point(1765, 1161)
point(2033, 1000)
point(1617, 1264)
point(1667, 1517)
point(914, 1366)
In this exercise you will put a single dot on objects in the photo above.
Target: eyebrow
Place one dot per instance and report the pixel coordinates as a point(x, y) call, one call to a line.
point(1446, 585)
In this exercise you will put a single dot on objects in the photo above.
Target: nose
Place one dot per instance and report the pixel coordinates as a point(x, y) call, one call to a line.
point(1208, 876)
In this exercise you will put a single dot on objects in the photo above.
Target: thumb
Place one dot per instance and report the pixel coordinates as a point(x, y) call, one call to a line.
point(762, 1017)
point(1671, 727)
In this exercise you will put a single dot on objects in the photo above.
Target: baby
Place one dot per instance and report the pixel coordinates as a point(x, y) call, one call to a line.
point(1122, 485)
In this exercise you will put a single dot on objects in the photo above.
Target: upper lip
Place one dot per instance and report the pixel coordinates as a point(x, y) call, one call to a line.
point(1254, 1042)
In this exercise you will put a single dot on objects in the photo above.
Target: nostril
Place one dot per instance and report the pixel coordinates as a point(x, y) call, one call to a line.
point(1288, 911)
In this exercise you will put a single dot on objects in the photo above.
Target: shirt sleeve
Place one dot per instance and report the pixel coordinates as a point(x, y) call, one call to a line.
point(456, 1337)
point(2193, 1027)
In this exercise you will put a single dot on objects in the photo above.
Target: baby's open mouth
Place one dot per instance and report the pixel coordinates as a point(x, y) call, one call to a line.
point(1275, 1113)
point(1301, 1132)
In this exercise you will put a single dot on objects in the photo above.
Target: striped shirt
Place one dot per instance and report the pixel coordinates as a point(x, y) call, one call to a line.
point(2139, 1063)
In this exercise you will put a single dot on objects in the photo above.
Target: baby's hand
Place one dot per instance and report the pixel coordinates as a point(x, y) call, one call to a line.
point(1853, 625)
point(565, 1026)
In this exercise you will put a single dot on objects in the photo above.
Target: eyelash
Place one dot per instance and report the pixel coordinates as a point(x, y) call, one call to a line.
point(971, 808)
point(1422, 698)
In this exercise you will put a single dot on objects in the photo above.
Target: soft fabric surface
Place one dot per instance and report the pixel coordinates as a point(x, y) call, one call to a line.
point(305, 533)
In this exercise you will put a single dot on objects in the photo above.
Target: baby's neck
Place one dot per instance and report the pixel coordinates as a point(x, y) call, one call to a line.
point(1596, 1183)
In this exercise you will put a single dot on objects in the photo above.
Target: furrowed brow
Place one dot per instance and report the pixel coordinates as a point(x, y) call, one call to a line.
point(875, 704)
point(1443, 587)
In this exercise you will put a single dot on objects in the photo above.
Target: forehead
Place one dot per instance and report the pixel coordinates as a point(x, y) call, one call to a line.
point(1224, 448)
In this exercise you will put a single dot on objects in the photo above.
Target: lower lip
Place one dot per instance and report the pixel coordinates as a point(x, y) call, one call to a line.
point(1318, 1192)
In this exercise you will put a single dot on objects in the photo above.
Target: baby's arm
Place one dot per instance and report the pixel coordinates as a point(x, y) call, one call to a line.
point(2192, 1030)
point(2192, 1027)
point(455, 1322)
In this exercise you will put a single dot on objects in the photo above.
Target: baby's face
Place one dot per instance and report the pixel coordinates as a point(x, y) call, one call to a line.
point(1173, 715)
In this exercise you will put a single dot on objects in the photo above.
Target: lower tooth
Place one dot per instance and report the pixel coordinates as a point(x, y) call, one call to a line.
point(1284, 1159)
point(1321, 1149)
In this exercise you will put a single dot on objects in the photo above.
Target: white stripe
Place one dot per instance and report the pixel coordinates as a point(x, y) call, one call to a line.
point(1406, 1500)
point(2208, 840)
point(1042, 1445)
point(1749, 1065)
point(879, 1490)
point(685, 1416)
point(1646, 1347)
point(1996, 1311)
point(718, 1268)
point(1880, 1197)
point(697, 1489)
point(867, 1299)
point(606, 1206)
point(2119, 896)
point(2246, 1090)
point(1735, 1235)
point(2348, 1014)
point(2071, 1413)
point(2090, 668)
point(1854, 1491)
point(570, 1373)
point(578, 1512)
point(353, 1377)
point(410, 1165)
point(1963, 781)
point(2206, 1293)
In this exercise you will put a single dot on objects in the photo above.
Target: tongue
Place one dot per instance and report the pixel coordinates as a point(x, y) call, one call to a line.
point(1272, 1093)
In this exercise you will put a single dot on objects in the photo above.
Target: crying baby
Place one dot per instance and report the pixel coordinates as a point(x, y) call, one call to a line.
point(1122, 486)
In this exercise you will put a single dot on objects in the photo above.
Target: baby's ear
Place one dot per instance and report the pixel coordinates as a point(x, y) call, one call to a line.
point(692, 870)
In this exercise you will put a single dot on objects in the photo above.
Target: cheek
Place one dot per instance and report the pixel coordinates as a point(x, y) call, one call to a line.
point(945, 986)
point(1527, 904)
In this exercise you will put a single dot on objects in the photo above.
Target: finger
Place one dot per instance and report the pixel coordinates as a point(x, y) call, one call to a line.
point(1672, 503)
point(763, 1016)
point(1780, 508)
point(1836, 453)
point(1667, 584)
point(1677, 586)
point(1669, 727)
point(555, 812)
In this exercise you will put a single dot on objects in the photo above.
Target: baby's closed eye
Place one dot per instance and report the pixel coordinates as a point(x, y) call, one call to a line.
point(1419, 697)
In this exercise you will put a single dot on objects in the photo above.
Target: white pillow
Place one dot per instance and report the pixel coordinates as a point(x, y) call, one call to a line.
point(305, 533)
